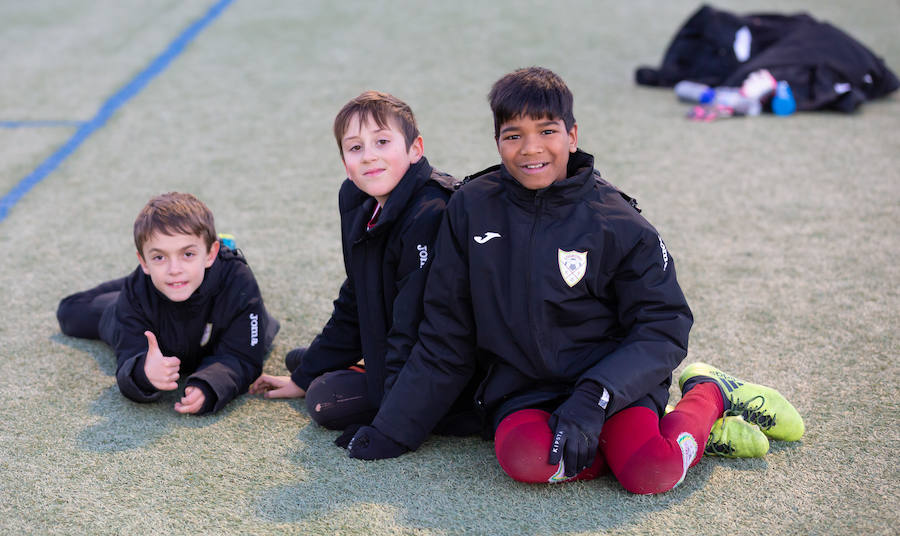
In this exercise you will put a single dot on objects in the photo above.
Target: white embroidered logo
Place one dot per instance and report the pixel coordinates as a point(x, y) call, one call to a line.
point(559, 475)
point(572, 265)
point(604, 399)
point(254, 329)
point(665, 253)
point(688, 446)
point(490, 235)
point(423, 254)
point(207, 332)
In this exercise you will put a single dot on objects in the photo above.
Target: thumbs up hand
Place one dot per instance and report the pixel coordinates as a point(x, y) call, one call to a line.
point(161, 371)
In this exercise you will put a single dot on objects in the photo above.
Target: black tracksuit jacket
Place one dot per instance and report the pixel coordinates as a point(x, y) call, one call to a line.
point(825, 67)
point(498, 309)
point(378, 309)
point(223, 362)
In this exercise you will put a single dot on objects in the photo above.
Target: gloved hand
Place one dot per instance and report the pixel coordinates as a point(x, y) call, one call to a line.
point(344, 439)
point(370, 444)
point(576, 426)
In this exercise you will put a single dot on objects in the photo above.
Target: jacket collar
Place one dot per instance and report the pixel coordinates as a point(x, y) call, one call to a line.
point(413, 180)
point(578, 182)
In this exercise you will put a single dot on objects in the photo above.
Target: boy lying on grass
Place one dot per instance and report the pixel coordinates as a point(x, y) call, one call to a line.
point(192, 308)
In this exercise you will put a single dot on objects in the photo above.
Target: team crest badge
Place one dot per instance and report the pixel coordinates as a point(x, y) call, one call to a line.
point(572, 265)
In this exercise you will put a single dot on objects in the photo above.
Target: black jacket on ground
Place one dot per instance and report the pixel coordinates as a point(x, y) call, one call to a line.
point(497, 306)
point(379, 306)
point(825, 67)
point(223, 362)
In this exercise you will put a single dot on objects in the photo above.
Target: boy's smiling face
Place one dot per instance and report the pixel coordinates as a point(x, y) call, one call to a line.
point(376, 158)
point(176, 263)
point(536, 151)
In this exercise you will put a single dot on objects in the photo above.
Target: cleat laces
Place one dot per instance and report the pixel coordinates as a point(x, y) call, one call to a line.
point(718, 449)
point(754, 415)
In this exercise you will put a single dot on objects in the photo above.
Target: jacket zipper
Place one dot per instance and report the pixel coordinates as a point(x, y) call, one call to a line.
point(531, 298)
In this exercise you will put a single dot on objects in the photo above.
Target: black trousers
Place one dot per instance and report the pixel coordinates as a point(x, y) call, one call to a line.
point(339, 399)
point(90, 314)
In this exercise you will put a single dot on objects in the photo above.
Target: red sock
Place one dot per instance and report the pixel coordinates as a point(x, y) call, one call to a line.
point(649, 455)
point(522, 444)
point(695, 414)
point(642, 460)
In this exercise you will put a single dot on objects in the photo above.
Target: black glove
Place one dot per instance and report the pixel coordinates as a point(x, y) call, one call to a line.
point(576, 426)
point(344, 439)
point(370, 444)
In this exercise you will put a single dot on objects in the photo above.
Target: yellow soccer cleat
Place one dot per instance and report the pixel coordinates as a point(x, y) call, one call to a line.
point(733, 437)
point(758, 404)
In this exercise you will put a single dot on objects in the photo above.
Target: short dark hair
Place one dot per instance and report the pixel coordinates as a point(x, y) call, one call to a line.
point(381, 107)
point(174, 213)
point(533, 91)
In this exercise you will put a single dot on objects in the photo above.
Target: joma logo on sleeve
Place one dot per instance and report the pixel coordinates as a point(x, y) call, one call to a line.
point(254, 329)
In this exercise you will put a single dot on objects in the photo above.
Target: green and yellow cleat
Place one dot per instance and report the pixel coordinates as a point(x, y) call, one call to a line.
point(733, 437)
point(758, 404)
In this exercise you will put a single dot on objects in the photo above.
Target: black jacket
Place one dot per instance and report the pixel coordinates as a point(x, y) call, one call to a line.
point(825, 67)
point(222, 362)
point(498, 307)
point(379, 306)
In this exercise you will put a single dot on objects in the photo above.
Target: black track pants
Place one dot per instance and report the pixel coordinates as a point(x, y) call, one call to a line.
point(79, 314)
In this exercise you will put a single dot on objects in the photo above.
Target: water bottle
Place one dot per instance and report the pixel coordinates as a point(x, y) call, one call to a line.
point(694, 92)
point(783, 102)
point(734, 99)
point(730, 97)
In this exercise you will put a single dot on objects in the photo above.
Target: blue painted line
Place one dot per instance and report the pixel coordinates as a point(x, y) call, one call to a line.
point(109, 107)
point(40, 123)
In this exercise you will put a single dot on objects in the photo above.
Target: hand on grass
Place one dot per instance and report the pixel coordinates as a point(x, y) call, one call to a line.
point(192, 400)
point(161, 371)
point(276, 387)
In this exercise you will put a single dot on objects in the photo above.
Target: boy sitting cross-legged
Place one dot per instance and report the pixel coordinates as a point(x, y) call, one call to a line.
point(192, 308)
point(552, 291)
